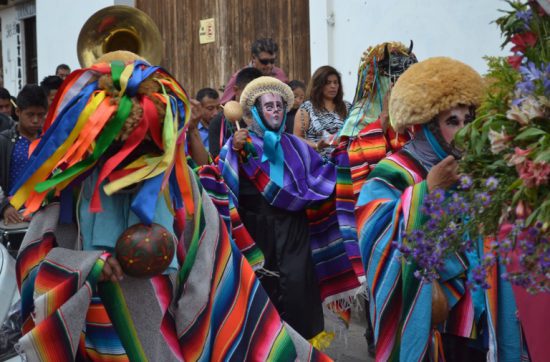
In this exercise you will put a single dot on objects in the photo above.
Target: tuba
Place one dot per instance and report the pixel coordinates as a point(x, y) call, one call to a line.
point(119, 27)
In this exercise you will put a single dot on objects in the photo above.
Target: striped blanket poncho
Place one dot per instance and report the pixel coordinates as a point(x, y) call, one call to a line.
point(365, 150)
point(212, 309)
point(212, 181)
point(400, 306)
point(309, 184)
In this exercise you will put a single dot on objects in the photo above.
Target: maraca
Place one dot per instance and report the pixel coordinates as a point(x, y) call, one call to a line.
point(145, 251)
point(233, 112)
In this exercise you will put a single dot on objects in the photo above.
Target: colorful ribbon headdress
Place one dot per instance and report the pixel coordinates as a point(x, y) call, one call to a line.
point(128, 122)
point(380, 65)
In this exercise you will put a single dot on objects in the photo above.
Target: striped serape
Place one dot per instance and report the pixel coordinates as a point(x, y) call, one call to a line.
point(367, 148)
point(354, 158)
point(309, 184)
point(214, 184)
point(212, 308)
point(389, 205)
point(400, 304)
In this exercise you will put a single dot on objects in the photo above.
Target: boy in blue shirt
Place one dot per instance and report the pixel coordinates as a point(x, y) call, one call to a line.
point(32, 106)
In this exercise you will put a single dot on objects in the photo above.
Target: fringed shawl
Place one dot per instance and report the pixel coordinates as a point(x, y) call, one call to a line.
point(309, 184)
point(389, 205)
point(212, 308)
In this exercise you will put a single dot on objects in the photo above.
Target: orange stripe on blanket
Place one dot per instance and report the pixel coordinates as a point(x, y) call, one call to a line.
point(234, 322)
point(198, 339)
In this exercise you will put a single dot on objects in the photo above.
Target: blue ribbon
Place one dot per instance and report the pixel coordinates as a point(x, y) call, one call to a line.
point(141, 71)
point(175, 192)
point(144, 204)
point(56, 134)
point(433, 142)
point(273, 152)
point(66, 206)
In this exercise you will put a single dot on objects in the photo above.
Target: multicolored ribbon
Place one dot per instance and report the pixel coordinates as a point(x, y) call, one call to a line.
point(86, 120)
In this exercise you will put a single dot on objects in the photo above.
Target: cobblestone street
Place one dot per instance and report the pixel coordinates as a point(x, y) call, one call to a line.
point(353, 347)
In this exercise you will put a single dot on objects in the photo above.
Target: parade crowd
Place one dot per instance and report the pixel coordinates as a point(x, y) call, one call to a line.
point(230, 225)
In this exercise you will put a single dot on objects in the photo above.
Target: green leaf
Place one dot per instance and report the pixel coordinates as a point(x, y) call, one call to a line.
point(531, 218)
point(530, 132)
point(515, 185)
point(544, 156)
point(516, 198)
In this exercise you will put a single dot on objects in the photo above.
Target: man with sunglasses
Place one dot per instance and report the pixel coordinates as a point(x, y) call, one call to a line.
point(264, 53)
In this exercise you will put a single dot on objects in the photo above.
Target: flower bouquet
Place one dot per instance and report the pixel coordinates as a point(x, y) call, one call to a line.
point(510, 142)
point(504, 197)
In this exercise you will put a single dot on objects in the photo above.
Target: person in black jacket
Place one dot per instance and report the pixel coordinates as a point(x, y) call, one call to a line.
point(50, 85)
point(32, 105)
point(6, 122)
point(299, 90)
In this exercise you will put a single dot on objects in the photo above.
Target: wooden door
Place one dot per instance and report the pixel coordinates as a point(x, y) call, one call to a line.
point(237, 24)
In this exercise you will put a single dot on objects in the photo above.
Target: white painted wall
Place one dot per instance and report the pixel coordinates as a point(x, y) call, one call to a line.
point(13, 70)
point(58, 23)
point(458, 29)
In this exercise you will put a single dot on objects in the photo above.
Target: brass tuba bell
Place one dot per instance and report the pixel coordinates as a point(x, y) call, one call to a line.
point(119, 27)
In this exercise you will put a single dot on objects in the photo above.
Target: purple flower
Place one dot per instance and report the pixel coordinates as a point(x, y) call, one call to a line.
point(505, 246)
point(485, 198)
point(526, 87)
point(528, 247)
point(457, 205)
point(478, 278)
point(531, 72)
point(491, 183)
point(533, 232)
point(518, 101)
point(417, 235)
point(450, 230)
point(438, 196)
point(465, 182)
point(525, 17)
point(432, 224)
point(436, 214)
point(489, 259)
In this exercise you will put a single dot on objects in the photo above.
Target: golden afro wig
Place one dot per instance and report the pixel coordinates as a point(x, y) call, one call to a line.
point(266, 85)
point(430, 87)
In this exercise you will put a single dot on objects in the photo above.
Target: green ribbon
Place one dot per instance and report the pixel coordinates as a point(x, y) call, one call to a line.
point(117, 67)
point(112, 129)
point(106, 138)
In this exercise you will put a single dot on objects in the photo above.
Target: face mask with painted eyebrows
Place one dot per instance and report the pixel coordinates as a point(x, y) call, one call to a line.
point(272, 110)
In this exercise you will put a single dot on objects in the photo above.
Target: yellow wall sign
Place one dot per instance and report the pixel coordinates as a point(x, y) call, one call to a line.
point(206, 31)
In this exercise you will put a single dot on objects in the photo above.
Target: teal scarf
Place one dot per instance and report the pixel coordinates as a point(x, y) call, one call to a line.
point(273, 151)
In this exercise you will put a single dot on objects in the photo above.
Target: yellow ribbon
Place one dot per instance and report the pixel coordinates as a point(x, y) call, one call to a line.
point(154, 165)
point(20, 197)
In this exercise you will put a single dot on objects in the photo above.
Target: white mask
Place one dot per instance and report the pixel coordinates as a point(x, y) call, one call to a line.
point(272, 110)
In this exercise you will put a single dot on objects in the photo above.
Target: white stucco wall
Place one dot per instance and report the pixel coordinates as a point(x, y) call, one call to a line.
point(13, 57)
point(58, 23)
point(341, 30)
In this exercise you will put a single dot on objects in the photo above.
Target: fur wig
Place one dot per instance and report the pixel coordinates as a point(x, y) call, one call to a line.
point(430, 87)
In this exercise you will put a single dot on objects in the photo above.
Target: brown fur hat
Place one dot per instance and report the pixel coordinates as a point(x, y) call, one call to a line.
point(430, 87)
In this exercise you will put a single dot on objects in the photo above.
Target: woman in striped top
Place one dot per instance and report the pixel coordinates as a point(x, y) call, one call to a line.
point(321, 117)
